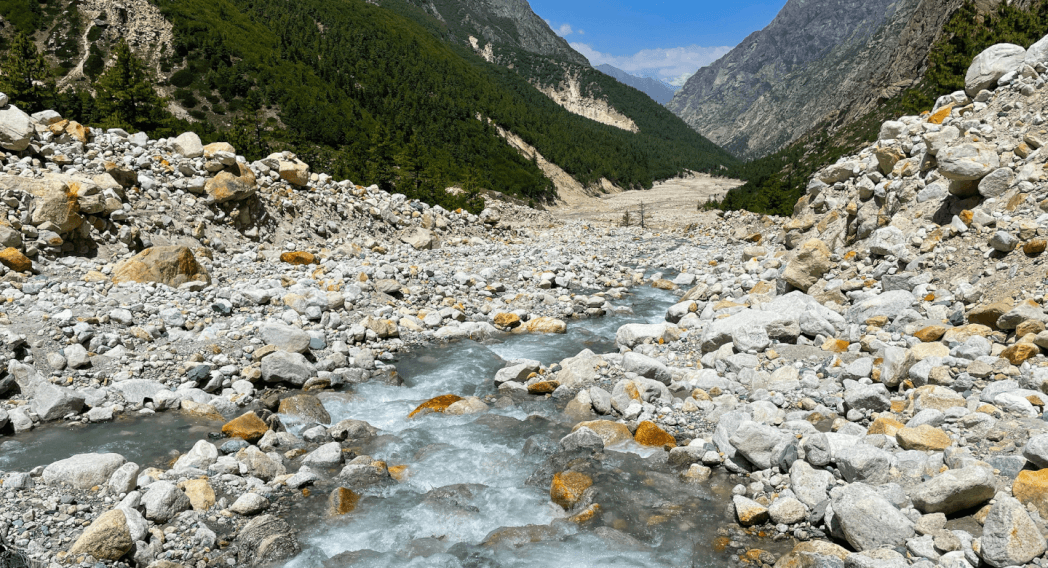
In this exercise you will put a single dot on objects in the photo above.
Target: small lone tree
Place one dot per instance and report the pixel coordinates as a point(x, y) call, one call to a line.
point(126, 98)
point(25, 76)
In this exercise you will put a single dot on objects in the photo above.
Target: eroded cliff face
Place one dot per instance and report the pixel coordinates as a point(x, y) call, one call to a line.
point(568, 94)
point(818, 62)
point(782, 80)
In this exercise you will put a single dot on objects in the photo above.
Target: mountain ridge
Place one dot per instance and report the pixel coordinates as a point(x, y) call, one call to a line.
point(659, 91)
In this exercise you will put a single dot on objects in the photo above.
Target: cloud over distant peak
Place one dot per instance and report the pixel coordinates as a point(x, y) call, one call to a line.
point(673, 65)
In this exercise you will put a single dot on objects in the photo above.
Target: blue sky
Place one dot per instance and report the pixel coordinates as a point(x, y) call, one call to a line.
point(668, 40)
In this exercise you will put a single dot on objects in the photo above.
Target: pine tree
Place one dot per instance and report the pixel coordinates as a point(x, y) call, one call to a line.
point(25, 75)
point(126, 98)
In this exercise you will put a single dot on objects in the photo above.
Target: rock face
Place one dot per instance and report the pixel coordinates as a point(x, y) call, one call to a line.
point(784, 71)
point(168, 265)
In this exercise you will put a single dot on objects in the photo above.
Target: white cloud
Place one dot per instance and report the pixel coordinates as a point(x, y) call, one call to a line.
point(564, 30)
point(581, 32)
point(673, 65)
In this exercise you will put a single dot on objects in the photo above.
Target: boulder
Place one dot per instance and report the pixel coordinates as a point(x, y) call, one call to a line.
point(52, 402)
point(633, 334)
point(809, 263)
point(247, 426)
point(291, 368)
point(16, 128)
point(1010, 537)
point(188, 144)
point(421, 239)
point(954, 490)
point(646, 367)
point(968, 162)
point(57, 203)
point(266, 540)
point(760, 444)
point(748, 511)
point(1031, 488)
point(887, 241)
point(868, 520)
point(169, 265)
point(107, 538)
point(992, 64)
point(306, 407)
point(249, 504)
point(234, 184)
point(83, 471)
point(1036, 450)
point(163, 500)
point(865, 463)
point(285, 337)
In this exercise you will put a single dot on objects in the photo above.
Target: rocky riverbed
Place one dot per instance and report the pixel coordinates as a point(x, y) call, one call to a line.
point(210, 362)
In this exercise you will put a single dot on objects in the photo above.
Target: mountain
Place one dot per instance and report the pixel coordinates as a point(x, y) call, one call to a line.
point(658, 91)
point(817, 62)
point(413, 96)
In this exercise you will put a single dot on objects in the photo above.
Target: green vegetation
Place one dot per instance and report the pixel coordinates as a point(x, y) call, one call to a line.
point(774, 183)
point(126, 98)
point(25, 76)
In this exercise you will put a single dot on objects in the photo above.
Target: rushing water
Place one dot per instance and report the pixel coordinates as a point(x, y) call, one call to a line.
point(466, 501)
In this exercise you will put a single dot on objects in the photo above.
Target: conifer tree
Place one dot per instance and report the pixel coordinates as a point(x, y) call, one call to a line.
point(25, 76)
point(126, 98)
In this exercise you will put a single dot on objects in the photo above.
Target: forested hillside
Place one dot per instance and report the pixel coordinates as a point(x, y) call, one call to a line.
point(775, 182)
point(375, 94)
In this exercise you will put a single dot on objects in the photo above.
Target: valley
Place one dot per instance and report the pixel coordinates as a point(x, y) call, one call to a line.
point(354, 283)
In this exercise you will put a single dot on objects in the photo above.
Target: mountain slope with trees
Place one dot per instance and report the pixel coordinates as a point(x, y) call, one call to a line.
point(377, 94)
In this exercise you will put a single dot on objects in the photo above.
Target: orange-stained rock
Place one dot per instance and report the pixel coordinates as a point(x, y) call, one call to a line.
point(247, 426)
point(438, 404)
point(170, 265)
point(398, 472)
point(543, 325)
point(1027, 327)
point(940, 115)
point(966, 216)
point(298, 258)
point(233, 185)
point(1031, 487)
point(1035, 247)
point(507, 320)
point(587, 514)
point(924, 438)
point(931, 333)
point(201, 495)
point(543, 387)
point(835, 345)
point(200, 410)
point(664, 284)
point(965, 332)
point(1020, 352)
point(567, 488)
point(648, 434)
point(610, 432)
point(989, 314)
point(885, 425)
point(342, 501)
point(15, 260)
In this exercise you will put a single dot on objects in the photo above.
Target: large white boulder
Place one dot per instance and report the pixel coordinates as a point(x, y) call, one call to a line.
point(992, 64)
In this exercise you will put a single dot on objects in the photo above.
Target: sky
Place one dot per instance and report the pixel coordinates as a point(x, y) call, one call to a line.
point(667, 40)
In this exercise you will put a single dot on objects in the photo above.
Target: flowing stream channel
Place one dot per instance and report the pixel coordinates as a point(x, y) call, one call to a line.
point(467, 500)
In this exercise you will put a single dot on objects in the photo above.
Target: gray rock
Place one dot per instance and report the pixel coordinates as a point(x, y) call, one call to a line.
point(758, 443)
point(517, 371)
point(76, 356)
point(954, 490)
point(600, 399)
point(285, 337)
point(51, 402)
point(189, 145)
point(720, 332)
point(633, 334)
point(249, 504)
point(352, 430)
point(810, 485)
point(990, 65)
point(1036, 450)
point(878, 558)
point(328, 455)
point(1010, 537)
point(16, 129)
point(886, 241)
point(200, 456)
point(750, 339)
point(866, 463)
point(646, 367)
point(998, 182)
point(124, 479)
point(266, 540)
point(868, 520)
point(83, 471)
point(582, 439)
point(1003, 241)
point(787, 510)
point(283, 366)
point(888, 304)
point(968, 162)
point(868, 397)
point(163, 500)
